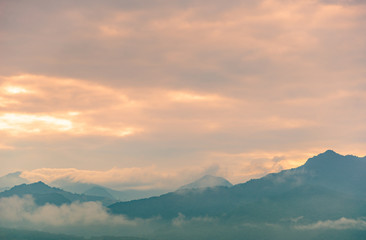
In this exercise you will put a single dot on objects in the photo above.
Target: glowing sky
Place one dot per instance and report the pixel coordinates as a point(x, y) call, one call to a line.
point(153, 93)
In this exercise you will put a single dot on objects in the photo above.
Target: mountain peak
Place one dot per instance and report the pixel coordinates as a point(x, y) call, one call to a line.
point(330, 152)
point(328, 156)
point(36, 186)
point(330, 161)
point(207, 181)
point(39, 183)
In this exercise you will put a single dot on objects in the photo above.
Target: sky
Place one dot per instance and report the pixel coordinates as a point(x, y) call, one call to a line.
point(155, 93)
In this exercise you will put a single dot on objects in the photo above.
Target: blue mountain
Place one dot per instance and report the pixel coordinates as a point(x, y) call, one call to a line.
point(327, 186)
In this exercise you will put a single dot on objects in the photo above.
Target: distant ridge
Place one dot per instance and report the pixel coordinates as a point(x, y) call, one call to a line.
point(42, 194)
point(99, 191)
point(11, 179)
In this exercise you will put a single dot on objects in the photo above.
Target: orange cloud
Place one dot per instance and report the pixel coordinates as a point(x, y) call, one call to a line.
point(59, 105)
point(18, 123)
point(77, 107)
point(15, 90)
point(181, 96)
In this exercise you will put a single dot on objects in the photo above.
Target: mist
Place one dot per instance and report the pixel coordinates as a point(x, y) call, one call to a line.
point(92, 219)
point(84, 219)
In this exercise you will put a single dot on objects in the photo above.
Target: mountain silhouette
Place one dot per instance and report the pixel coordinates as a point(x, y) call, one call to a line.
point(42, 194)
point(327, 186)
point(207, 181)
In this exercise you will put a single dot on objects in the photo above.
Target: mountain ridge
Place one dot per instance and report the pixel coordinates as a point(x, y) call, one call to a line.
point(339, 188)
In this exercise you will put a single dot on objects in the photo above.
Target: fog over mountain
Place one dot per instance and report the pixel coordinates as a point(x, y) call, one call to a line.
point(322, 199)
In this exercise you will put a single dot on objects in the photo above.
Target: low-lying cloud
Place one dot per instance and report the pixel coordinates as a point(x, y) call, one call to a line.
point(339, 224)
point(87, 219)
point(92, 219)
point(79, 218)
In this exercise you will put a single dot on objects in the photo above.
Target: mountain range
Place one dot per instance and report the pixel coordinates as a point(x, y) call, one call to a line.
point(12, 179)
point(43, 193)
point(91, 189)
point(327, 186)
point(323, 199)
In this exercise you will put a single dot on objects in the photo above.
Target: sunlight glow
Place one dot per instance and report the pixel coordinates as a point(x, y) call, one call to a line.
point(73, 113)
point(15, 90)
point(33, 123)
point(189, 97)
